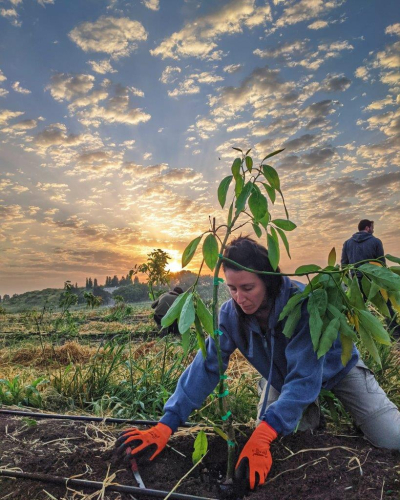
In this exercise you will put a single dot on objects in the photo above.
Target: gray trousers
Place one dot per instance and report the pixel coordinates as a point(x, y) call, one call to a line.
point(362, 397)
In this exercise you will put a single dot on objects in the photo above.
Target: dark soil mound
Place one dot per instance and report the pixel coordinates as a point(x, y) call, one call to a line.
point(318, 466)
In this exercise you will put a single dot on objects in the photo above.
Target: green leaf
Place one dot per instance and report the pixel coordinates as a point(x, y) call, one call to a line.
point(273, 154)
point(257, 230)
point(238, 149)
point(230, 213)
point(395, 269)
point(205, 316)
point(236, 167)
point(347, 349)
point(190, 251)
point(369, 344)
point(273, 249)
point(284, 224)
point(345, 328)
point(247, 152)
point(291, 304)
point(292, 320)
point(309, 268)
point(186, 319)
point(200, 337)
point(221, 433)
point(354, 295)
point(265, 220)
point(316, 307)
point(200, 447)
point(372, 325)
point(380, 303)
point(175, 310)
point(249, 163)
point(328, 337)
point(382, 277)
point(239, 185)
point(270, 191)
point(210, 251)
point(272, 176)
point(332, 257)
point(242, 198)
point(223, 190)
point(258, 205)
point(185, 342)
point(392, 258)
point(285, 240)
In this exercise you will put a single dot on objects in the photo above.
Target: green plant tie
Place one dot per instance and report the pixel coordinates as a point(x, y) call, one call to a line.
point(218, 332)
point(223, 377)
point(231, 443)
point(218, 280)
point(228, 414)
point(225, 393)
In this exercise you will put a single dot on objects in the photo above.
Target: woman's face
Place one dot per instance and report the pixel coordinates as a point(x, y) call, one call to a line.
point(247, 290)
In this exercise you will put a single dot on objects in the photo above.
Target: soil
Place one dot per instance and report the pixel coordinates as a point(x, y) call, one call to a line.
point(306, 466)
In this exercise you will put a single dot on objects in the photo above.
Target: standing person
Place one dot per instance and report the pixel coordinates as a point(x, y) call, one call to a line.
point(161, 306)
point(249, 322)
point(363, 246)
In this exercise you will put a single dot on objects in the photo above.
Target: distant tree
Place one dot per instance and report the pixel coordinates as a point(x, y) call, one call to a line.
point(6, 297)
point(115, 281)
point(95, 285)
point(0, 298)
point(154, 269)
point(15, 295)
point(76, 286)
point(136, 280)
point(90, 283)
point(87, 283)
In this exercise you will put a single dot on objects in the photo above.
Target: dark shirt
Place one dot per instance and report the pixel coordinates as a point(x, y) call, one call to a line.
point(362, 246)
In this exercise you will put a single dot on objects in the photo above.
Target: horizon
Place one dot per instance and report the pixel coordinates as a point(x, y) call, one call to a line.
point(117, 122)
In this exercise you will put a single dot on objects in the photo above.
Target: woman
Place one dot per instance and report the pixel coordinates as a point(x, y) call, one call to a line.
point(249, 322)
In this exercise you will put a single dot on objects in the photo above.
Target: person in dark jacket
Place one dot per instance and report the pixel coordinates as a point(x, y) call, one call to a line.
point(363, 246)
point(249, 321)
point(161, 306)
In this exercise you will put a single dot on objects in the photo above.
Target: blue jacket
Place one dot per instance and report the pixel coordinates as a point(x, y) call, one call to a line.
point(296, 373)
point(362, 246)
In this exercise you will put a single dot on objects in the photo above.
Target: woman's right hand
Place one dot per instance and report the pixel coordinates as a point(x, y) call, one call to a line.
point(140, 442)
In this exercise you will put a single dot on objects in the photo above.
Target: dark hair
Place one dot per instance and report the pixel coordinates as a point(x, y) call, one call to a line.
point(178, 289)
point(364, 223)
point(248, 253)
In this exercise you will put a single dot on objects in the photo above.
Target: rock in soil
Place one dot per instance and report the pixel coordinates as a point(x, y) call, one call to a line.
point(306, 466)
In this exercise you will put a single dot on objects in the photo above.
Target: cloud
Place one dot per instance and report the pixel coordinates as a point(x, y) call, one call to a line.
point(180, 176)
point(317, 25)
point(336, 83)
point(2, 77)
point(304, 10)
point(151, 4)
point(283, 49)
point(56, 135)
point(6, 115)
point(102, 67)
point(8, 13)
point(170, 74)
point(198, 38)
point(393, 29)
point(318, 111)
point(17, 87)
point(233, 68)
point(381, 104)
point(64, 86)
point(189, 85)
point(20, 127)
point(141, 172)
point(115, 36)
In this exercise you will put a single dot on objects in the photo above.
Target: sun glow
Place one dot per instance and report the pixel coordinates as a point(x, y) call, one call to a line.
point(174, 266)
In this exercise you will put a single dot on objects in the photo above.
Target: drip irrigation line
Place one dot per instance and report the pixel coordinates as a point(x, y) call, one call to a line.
point(85, 418)
point(96, 485)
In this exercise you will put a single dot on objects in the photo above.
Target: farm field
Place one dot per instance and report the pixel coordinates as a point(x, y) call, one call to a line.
point(105, 362)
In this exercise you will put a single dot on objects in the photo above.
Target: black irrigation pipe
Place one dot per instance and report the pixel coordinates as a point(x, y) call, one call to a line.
point(96, 485)
point(84, 418)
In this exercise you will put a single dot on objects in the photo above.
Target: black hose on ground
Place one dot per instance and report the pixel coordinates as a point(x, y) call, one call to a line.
point(84, 418)
point(96, 485)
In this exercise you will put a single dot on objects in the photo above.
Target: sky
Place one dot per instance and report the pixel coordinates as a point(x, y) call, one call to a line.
point(118, 118)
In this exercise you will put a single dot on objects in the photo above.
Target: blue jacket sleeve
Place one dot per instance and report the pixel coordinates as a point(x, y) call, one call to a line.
point(302, 383)
point(198, 381)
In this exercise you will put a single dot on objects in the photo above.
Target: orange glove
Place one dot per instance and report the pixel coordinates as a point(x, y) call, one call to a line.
point(139, 441)
point(255, 459)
